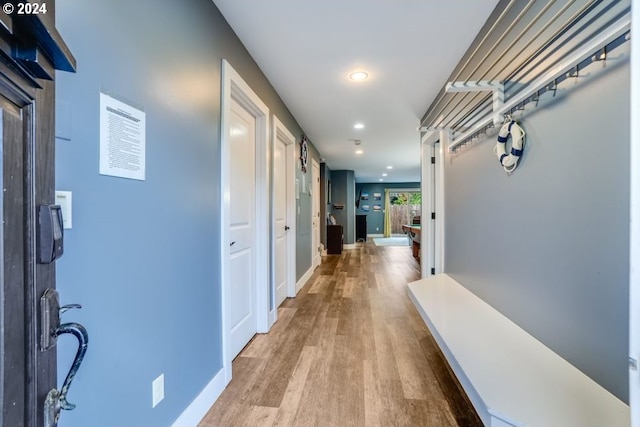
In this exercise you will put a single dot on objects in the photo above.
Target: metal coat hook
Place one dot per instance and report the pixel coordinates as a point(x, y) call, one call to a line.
point(602, 56)
point(575, 72)
point(536, 97)
point(553, 87)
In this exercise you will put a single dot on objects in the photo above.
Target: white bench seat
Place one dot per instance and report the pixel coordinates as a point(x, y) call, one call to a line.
point(511, 378)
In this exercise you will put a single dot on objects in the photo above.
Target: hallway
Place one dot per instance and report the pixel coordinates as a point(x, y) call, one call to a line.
point(349, 350)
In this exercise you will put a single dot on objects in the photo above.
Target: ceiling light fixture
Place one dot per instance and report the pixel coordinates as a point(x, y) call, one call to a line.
point(385, 174)
point(358, 126)
point(359, 151)
point(381, 180)
point(358, 75)
point(389, 167)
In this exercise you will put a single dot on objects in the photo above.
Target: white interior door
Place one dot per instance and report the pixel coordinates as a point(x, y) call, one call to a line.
point(439, 204)
point(284, 206)
point(281, 228)
point(245, 209)
point(432, 248)
point(242, 184)
point(315, 213)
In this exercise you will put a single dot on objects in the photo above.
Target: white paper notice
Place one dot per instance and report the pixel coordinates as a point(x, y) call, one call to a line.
point(122, 139)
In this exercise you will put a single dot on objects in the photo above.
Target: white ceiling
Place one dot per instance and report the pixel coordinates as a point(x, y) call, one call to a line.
point(308, 48)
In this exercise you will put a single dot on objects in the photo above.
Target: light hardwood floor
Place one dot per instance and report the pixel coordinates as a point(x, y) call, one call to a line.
point(349, 350)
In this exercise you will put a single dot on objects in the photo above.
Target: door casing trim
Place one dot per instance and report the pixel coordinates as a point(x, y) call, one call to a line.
point(315, 201)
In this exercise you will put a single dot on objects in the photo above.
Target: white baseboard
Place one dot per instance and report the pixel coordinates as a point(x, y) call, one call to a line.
point(304, 279)
point(202, 403)
point(349, 246)
point(375, 235)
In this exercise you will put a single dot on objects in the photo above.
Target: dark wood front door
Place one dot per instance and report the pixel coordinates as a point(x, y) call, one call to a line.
point(30, 51)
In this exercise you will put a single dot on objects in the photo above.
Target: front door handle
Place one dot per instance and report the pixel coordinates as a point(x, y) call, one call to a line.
point(50, 312)
point(287, 228)
point(78, 331)
point(57, 400)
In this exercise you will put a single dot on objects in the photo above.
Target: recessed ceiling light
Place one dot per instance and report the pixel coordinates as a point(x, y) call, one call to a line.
point(358, 75)
point(358, 126)
point(389, 167)
point(384, 174)
point(381, 180)
point(359, 151)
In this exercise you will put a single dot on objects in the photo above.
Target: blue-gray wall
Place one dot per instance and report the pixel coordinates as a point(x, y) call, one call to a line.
point(303, 209)
point(375, 220)
point(343, 193)
point(143, 256)
point(549, 245)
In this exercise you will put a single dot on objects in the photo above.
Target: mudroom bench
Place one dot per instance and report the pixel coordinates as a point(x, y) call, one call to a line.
point(511, 378)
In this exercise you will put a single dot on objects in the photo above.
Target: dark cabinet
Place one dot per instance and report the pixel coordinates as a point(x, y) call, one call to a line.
point(334, 239)
point(361, 228)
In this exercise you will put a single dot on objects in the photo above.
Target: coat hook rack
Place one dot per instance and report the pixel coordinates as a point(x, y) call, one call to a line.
point(496, 88)
point(597, 51)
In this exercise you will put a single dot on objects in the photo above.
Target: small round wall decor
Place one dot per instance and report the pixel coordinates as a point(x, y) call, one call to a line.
point(304, 154)
point(512, 129)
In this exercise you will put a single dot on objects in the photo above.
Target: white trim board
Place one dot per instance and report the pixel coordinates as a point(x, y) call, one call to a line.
point(634, 231)
point(199, 407)
point(304, 279)
point(315, 203)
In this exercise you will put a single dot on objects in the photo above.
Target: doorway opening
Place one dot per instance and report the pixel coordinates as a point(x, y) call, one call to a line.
point(403, 207)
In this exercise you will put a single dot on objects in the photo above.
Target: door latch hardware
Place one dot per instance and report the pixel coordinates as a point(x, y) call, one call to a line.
point(51, 329)
point(49, 318)
point(78, 331)
point(52, 408)
point(50, 312)
point(57, 400)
